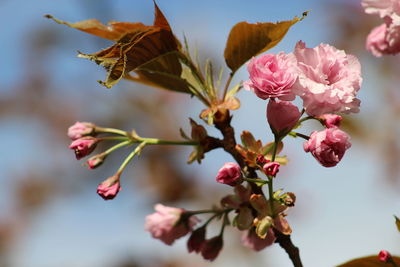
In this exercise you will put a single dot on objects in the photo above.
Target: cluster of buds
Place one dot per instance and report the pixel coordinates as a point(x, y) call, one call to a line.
point(84, 142)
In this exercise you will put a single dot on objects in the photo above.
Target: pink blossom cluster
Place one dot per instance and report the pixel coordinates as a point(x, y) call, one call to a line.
point(325, 78)
point(83, 144)
point(384, 39)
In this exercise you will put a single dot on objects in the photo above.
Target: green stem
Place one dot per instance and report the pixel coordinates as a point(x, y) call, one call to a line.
point(113, 148)
point(255, 180)
point(112, 138)
point(224, 223)
point(305, 119)
point(227, 85)
point(155, 141)
point(110, 130)
point(306, 137)
point(130, 156)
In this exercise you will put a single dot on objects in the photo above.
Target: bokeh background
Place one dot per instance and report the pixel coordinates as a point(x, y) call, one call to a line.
point(50, 214)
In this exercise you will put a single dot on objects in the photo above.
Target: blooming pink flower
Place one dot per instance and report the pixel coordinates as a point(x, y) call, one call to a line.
point(196, 240)
point(169, 224)
point(376, 41)
point(109, 188)
point(282, 116)
point(328, 146)
point(380, 7)
point(251, 240)
point(384, 256)
point(271, 168)
point(272, 76)
point(329, 79)
point(83, 146)
point(330, 120)
point(80, 129)
point(229, 174)
point(211, 248)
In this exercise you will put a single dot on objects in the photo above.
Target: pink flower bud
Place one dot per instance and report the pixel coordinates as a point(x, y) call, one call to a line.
point(330, 120)
point(95, 161)
point(229, 174)
point(261, 160)
point(384, 256)
point(328, 146)
point(271, 168)
point(272, 76)
point(196, 240)
point(212, 247)
point(251, 240)
point(169, 224)
point(282, 116)
point(109, 188)
point(80, 129)
point(83, 146)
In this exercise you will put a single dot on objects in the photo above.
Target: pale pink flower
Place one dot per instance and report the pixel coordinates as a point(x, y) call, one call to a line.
point(167, 223)
point(80, 129)
point(282, 116)
point(271, 168)
point(376, 41)
point(211, 248)
point(251, 240)
point(272, 76)
point(83, 146)
point(328, 146)
point(109, 188)
point(330, 120)
point(229, 174)
point(379, 7)
point(384, 256)
point(329, 79)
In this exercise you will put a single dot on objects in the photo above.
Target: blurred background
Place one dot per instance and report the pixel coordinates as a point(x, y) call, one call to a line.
point(50, 214)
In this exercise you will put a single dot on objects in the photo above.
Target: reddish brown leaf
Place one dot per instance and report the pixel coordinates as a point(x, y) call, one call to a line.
point(247, 40)
point(150, 51)
point(370, 261)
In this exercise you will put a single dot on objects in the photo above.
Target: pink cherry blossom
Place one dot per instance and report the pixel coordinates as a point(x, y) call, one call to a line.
point(282, 116)
point(330, 120)
point(167, 223)
point(80, 129)
point(251, 240)
point(229, 174)
point(272, 76)
point(329, 79)
point(109, 188)
point(271, 168)
point(328, 146)
point(379, 7)
point(384, 256)
point(376, 41)
point(83, 146)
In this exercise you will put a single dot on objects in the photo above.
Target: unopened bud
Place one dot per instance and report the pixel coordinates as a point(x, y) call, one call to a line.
point(196, 240)
point(80, 129)
point(211, 248)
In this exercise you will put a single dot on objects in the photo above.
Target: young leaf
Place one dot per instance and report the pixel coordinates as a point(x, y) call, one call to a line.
point(137, 46)
point(247, 40)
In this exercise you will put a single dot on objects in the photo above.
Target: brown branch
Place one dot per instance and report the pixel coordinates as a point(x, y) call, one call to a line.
point(228, 144)
point(286, 243)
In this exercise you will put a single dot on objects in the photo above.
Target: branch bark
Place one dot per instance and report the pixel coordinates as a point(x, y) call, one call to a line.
point(228, 144)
